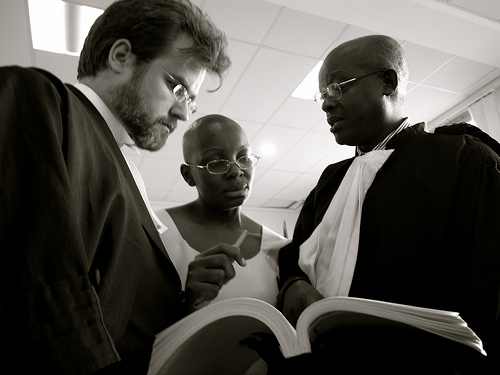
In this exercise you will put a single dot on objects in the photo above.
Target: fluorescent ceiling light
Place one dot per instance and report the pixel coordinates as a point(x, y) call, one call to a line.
point(309, 86)
point(60, 27)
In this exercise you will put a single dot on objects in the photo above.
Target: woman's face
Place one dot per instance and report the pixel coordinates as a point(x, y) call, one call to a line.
point(221, 140)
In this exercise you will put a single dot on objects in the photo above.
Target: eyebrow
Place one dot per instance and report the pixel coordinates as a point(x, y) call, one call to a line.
point(334, 74)
point(221, 150)
point(178, 81)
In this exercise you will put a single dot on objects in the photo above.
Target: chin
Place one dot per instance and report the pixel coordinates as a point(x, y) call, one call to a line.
point(152, 142)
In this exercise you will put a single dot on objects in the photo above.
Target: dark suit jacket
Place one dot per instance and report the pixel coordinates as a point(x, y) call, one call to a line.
point(85, 278)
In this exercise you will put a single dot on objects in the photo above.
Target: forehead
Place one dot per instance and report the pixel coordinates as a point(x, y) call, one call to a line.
point(219, 135)
point(182, 67)
point(341, 63)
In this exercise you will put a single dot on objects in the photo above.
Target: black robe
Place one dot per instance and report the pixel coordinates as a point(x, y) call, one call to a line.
point(430, 227)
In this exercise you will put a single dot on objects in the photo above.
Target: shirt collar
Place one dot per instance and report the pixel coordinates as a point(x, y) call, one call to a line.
point(114, 124)
point(381, 146)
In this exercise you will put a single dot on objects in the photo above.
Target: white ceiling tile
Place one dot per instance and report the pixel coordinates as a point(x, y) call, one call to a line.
point(432, 117)
point(350, 32)
point(181, 197)
point(242, 19)
point(180, 185)
point(156, 195)
point(270, 78)
point(210, 102)
point(422, 100)
point(339, 153)
point(304, 114)
point(66, 66)
point(423, 61)
point(458, 74)
point(255, 202)
point(322, 125)
point(299, 189)
point(311, 148)
point(486, 8)
point(282, 137)
point(251, 128)
point(159, 174)
point(278, 203)
point(272, 182)
point(303, 34)
point(481, 82)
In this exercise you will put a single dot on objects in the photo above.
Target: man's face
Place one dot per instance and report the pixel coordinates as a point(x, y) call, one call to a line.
point(358, 117)
point(145, 102)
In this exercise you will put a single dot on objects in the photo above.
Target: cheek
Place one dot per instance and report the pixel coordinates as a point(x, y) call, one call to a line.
point(157, 99)
point(208, 187)
point(249, 174)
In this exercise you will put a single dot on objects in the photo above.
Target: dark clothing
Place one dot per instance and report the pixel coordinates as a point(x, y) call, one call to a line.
point(85, 278)
point(429, 231)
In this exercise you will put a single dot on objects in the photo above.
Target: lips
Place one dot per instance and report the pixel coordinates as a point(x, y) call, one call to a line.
point(236, 191)
point(334, 121)
point(170, 125)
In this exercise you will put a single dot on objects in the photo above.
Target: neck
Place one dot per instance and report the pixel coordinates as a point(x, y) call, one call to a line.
point(385, 137)
point(215, 216)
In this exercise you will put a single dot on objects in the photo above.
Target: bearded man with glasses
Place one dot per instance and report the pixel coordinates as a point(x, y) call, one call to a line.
point(413, 218)
point(86, 281)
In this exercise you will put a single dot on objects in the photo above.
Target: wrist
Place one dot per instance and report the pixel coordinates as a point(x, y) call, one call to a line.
point(287, 284)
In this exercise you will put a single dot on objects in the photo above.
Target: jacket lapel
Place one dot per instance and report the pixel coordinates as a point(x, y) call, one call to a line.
point(147, 221)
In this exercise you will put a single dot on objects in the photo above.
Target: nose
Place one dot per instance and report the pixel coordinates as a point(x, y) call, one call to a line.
point(234, 169)
point(328, 104)
point(180, 110)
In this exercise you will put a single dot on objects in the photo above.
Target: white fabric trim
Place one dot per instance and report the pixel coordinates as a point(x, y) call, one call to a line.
point(329, 255)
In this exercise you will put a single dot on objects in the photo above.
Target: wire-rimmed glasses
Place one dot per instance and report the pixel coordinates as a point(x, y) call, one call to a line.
point(334, 89)
point(180, 92)
point(221, 166)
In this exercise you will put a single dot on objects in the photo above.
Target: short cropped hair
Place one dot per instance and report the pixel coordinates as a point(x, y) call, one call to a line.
point(151, 26)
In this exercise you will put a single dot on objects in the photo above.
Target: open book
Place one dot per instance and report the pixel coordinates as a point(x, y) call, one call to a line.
point(210, 336)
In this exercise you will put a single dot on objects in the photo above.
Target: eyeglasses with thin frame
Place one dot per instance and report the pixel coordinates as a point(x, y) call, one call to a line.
point(221, 166)
point(180, 92)
point(334, 89)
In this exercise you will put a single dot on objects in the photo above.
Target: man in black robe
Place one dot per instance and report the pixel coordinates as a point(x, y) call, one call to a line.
point(428, 229)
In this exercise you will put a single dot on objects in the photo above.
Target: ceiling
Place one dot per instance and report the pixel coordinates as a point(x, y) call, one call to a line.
point(453, 48)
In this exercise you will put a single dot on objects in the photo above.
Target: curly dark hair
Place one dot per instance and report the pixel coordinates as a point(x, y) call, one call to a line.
point(151, 26)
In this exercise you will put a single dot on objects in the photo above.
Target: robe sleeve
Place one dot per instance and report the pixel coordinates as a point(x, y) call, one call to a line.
point(477, 240)
point(50, 314)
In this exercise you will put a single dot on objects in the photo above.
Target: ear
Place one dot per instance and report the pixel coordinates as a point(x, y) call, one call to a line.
point(120, 56)
point(187, 175)
point(390, 82)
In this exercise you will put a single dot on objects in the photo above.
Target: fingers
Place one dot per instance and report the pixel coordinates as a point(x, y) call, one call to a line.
point(209, 271)
point(232, 252)
point(216, 269)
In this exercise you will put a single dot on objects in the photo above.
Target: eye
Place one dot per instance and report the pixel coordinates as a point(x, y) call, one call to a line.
point(217, 165)
point(245, 160)
point(180, 92)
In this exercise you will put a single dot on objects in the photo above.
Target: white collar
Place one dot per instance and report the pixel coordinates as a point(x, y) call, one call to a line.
point(381, 146)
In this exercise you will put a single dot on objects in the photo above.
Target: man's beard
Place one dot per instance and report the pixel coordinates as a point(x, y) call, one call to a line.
point(147, 133)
